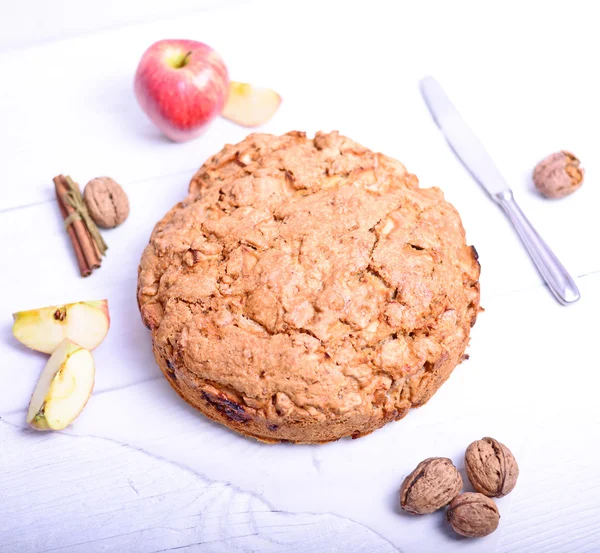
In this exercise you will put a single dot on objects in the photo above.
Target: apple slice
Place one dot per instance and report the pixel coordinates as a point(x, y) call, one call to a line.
point(250, 106)
point(63, 388)
point(85, 323)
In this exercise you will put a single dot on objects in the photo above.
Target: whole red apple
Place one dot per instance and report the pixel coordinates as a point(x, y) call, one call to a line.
point(182, 86)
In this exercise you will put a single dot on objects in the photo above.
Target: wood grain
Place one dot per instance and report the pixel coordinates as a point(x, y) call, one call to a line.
point(149, 505)
point(140, 470)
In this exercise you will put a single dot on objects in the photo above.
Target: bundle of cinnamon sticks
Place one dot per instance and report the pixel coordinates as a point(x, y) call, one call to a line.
point(88, 245)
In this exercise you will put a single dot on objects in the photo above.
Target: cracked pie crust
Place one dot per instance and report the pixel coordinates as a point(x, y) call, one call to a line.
point(308, 289)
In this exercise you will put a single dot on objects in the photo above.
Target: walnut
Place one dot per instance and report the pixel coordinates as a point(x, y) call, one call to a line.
point(433, 484)
point(473, 515)
point(491, 467)
point(106, 201)
point(558, 175)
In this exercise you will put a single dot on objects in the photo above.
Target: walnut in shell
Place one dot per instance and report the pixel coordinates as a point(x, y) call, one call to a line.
point(491, 467)
point(106, 201)
point(558, 175)
point(433, 484)
point(473, 515)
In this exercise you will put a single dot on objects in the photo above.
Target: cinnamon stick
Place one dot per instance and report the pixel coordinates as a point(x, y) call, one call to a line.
point(83, 266)
point(75, 200)
point(96, 248)
point(83, 237)
point(91, 239)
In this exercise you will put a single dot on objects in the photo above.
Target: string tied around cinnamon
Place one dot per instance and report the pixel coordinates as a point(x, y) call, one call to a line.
point(85, 238)
point(73, 198)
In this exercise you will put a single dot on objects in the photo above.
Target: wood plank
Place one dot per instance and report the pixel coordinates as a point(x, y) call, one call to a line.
point(25, 25)
point(91, 494)
point(142, 471)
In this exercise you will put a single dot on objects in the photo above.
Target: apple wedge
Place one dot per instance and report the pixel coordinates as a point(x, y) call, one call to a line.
point(85, 323)
point(63, 388)
point(250, 106)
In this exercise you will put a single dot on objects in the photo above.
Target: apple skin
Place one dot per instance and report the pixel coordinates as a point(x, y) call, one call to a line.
point(182, 86)
point(84, 322)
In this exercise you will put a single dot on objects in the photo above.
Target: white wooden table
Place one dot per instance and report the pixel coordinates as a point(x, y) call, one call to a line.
point(139, 470)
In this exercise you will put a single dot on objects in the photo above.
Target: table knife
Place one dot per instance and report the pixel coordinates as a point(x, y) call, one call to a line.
point(472, 154)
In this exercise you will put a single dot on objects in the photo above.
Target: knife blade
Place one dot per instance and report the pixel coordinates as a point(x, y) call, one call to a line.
point(470, 151)
point(461, 138)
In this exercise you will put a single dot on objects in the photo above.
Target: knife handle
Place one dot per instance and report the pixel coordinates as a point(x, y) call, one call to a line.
point(556, 276)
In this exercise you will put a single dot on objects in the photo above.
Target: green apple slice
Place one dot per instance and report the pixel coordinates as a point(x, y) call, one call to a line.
point(85, 323)
point(63, 388)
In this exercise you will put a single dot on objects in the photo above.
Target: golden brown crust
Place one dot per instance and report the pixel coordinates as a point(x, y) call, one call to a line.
point(308, 289)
